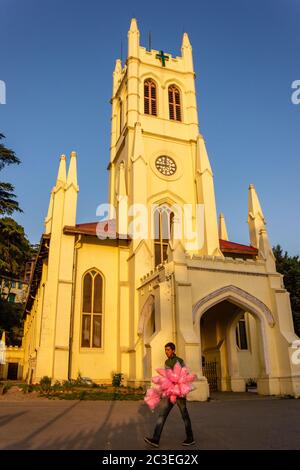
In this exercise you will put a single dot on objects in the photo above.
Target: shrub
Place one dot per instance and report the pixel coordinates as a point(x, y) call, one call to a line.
point(117, 379)
point(5, 387)
point(57, 385)
point(27, 388)
point(45, 383)
point(68, 384)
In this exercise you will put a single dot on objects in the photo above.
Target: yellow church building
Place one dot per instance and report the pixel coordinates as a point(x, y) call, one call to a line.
point(106, 296)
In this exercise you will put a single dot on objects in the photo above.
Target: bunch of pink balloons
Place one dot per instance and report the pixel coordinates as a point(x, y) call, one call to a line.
point(170, 383)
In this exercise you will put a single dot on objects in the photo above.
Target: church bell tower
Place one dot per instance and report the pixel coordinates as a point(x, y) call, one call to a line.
point(158, 157)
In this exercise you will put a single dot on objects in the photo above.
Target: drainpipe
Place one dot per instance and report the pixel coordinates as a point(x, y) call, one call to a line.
point(77, 242)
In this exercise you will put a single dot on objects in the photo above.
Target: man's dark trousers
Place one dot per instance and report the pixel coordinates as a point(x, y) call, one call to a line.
point(165, 407)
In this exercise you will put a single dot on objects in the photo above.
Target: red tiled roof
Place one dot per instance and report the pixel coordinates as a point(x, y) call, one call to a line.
point(232, 247)
point(108, 227)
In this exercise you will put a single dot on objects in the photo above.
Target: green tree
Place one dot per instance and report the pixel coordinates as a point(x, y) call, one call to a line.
point(8, 202)
point(289, 266)
point(15, 249)
point(11, 321)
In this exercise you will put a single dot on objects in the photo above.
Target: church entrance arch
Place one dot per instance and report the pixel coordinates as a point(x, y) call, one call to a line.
point(231, 325)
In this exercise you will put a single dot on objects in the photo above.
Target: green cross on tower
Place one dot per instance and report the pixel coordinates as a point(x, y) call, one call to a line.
point(162, 57)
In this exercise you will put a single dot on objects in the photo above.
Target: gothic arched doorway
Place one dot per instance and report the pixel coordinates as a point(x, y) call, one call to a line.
point(232, 333)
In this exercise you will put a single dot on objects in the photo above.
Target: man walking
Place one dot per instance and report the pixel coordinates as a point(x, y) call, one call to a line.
point(167, 405)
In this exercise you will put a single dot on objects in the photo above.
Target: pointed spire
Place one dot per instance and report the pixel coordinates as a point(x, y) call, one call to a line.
point(186, 52)
point(254, 206)
point(72, 189)
point(256, 219)
point(118, 66)
point(185, 41)
point(133, 39)
point(117, 75)
point(61, 181)
point(62, 171)
point(133, 26)
point(222, 228)
point(206, 198)
point(72, 173)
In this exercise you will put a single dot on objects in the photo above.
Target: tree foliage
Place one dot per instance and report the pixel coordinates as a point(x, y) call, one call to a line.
point(15, 249)
point(11, 321)
point(8, 202)
point(289, 266)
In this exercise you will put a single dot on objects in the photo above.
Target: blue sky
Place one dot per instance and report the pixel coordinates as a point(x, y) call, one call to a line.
point(57, 58)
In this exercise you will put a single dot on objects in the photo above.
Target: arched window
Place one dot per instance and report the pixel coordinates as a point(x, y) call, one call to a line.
point(174, 103)
point(163, 222)
point(92, 310)
point(150, 100)
point(152, 326)
point(241, 333)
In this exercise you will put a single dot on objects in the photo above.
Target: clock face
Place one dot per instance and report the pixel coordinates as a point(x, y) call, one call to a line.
point(165, 165)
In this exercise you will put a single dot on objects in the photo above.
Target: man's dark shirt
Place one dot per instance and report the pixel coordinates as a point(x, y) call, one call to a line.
point(171, 361)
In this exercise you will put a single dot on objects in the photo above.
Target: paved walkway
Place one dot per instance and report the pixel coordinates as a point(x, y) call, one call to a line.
point(228, 422)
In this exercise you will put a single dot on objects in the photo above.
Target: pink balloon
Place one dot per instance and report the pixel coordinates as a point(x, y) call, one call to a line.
point(184, 389)
point(173, 399)
point(152, 398)
point(171, 383)
point(162, 371)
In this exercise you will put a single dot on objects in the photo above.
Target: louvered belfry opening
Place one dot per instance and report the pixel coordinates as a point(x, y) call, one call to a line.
point(150, 101)
point(174, 103)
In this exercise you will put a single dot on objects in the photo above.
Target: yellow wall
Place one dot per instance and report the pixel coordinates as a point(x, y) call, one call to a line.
point(96, 363)
point(14, 354)
point(32, 329)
